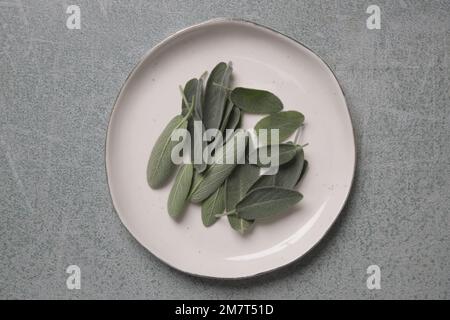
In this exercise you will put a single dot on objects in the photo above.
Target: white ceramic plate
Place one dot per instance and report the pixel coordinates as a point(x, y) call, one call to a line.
point(262, 58)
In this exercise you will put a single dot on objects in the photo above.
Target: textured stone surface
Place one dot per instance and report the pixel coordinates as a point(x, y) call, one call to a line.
point(57, 90)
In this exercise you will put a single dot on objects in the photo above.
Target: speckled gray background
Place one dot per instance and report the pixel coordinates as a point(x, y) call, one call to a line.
point(57, 90)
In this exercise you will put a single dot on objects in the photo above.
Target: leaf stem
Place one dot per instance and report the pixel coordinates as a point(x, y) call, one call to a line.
point(226, 213)
point(222, 86)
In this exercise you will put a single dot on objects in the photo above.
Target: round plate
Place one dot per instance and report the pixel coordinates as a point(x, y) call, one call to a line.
point(264, 59)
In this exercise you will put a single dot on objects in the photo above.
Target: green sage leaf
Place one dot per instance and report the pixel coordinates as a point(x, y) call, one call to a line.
point(232, 123)
point(234, 119)
point(265, 202)
point(304, 169)
point(198, 102)
point(289, 173)
point(286, 152)
point(194, 89)
point(197, 141)
point(264, 181)
point(238, 183)
point(180, 190)
point(216, 94)
point(236, 186)
point(214, 204)
point(219, 171)
point(286, 122)
point(196, 134)
point(196, 179)
point(190, 89)
point(160, 166)
point(226, 116)
point(256, 101)
point(229, 121)
point(239, 224)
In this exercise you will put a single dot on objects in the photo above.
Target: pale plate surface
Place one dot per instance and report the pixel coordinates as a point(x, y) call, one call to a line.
point(261, 59)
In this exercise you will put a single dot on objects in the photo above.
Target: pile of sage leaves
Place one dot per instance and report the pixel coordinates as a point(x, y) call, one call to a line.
point(236, 191)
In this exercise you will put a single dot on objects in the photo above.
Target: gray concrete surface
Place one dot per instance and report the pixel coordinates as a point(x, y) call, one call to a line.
point(57, 90)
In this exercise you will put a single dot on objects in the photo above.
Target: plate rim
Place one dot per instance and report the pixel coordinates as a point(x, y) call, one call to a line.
point(125, 83)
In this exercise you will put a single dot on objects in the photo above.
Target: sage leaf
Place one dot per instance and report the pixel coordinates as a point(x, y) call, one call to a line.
point(304, 169)
point(226, 116)
point(239, 224)
point(180, 190)
point(256, 101)
point(160, 166)
point(238, 183)
point(236, 186)
point(216, 94)
point(193, 88)
point(196, 179)
point(234, 119)
point(286, 152)
point(264, 181)
point(286, 122)
point(232, 123)
point(193, 92)
point(197, 134)
point(197, 141)
point(265, 202)
point(198, 102)
point(289, 173)
point(219, 171)
point(190, 89)
point(214, 204)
